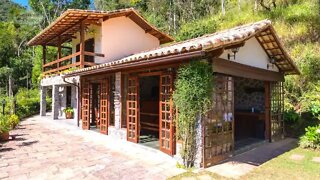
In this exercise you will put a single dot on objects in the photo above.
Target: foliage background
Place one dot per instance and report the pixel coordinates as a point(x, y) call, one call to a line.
point(296, 22)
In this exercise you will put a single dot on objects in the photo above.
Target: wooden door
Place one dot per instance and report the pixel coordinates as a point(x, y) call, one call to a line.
point(85, 104)
point(219, 122)
point(104, 106)
point(276, 110)
point(133, 109)
point(166, 132)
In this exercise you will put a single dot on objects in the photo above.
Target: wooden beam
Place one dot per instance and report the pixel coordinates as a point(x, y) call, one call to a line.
point(241, 70)
point(82, 44)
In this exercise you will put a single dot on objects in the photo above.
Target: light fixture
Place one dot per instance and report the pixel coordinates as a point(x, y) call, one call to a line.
point(234, 50)
point(271, 63)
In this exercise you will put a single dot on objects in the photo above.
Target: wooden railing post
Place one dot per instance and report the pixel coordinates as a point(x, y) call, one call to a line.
point(59, 50)
point(44, 57)
point(82, 41)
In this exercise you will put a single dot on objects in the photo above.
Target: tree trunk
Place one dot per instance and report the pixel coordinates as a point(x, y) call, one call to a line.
point(10, 86)
point(223, 7)
point(239, 5)
point(255, 5)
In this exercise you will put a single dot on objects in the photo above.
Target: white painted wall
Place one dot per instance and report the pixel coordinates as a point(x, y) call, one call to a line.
point(251, 54)
point(122, 37)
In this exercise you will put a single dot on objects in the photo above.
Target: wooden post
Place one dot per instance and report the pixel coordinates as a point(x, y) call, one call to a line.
point(82, 41)
point(44, 56)
point(59, 50)
point(267, 111)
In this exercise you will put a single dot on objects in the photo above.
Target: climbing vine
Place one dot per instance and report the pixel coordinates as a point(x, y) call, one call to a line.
point(192, 97)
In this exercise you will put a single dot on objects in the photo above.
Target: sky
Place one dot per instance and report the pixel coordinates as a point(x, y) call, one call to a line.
point(22, 2)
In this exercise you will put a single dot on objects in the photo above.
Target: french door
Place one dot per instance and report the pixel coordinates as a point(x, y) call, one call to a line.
point(133, 109)
point(104, 106)
point(166, 134)
point(219, 122)
point(86, 86)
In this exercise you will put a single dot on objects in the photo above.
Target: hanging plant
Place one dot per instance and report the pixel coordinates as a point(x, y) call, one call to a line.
point(192, 97)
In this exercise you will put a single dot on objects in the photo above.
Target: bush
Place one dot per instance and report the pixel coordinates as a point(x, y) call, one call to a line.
point(311, 139)
point(28, 102)
point(197, 29)
point(13, 120)
point(291, 117)
point(4, 124)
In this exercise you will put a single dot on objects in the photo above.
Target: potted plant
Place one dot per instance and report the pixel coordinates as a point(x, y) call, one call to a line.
point(4, 128)
point(69, 112)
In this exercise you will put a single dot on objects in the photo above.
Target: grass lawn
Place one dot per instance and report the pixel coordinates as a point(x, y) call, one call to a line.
point(282, 167)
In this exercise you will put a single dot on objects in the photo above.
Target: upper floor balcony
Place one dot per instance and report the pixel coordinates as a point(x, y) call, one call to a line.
point(84, 38)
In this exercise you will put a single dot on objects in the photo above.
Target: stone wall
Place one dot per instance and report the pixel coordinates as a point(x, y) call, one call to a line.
point(248, 93)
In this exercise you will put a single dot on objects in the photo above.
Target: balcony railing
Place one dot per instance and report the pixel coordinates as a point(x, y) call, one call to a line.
point(65, 63)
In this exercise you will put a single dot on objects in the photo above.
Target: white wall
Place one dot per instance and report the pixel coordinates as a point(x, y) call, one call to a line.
point(251, 54)
point(122, 37)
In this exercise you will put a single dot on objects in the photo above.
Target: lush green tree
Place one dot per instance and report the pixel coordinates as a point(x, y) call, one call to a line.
point(49, 10)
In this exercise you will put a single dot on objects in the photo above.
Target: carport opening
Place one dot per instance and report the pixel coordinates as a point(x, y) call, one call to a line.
point(149, 111)
point(249, 104)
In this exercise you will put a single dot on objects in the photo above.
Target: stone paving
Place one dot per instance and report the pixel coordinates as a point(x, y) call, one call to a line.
point(47, 149)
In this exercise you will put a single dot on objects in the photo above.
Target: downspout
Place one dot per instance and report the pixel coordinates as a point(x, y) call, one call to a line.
point(78, 99)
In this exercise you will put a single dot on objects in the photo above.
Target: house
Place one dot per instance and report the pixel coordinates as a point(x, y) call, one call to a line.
point(122, 79)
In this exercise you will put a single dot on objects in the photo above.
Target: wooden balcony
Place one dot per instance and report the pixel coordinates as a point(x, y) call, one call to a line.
point(66, 63)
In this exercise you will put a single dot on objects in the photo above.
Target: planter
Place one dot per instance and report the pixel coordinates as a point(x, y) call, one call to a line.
point(4, 136)
point(69, 115)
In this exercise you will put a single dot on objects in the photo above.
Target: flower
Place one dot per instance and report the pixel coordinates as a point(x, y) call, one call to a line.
point(318, 131)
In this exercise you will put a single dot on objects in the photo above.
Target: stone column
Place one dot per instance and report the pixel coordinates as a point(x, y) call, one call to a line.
point(55, 102)
point(199, 145)
point(117, 101)
point(199, 142)
point(43, 102)
point(74, 101)
point(62, 100)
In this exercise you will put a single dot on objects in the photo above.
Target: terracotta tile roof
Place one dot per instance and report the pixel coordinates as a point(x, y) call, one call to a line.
point(69, 23)
point(262, 30)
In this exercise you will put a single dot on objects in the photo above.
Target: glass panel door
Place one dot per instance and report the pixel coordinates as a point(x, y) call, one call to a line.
point(133, 109)
point(166, 134)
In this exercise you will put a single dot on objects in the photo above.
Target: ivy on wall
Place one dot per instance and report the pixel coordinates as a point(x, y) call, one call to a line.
point(192, 97)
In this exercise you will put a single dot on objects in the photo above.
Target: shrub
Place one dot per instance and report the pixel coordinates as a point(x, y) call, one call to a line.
point(311, 139)
point(13, 120)
point(291, 117)
point(197, 29)
point(4, 124)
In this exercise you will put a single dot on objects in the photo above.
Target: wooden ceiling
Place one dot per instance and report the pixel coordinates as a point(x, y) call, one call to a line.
point(69, 23)
point(270, 42)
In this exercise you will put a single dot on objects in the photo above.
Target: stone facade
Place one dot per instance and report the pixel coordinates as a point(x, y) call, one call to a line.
point(249, 93)
point(59, 95)
point(117, 101)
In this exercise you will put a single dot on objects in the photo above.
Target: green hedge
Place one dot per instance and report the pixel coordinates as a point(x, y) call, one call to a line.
point(27, 103)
